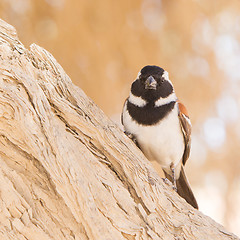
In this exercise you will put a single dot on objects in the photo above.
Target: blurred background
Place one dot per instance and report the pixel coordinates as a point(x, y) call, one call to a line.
point(103, 44)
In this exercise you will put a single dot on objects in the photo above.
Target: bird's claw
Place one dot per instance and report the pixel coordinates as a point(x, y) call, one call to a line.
point(132, 137)
point(169, 183)
point(166, 181)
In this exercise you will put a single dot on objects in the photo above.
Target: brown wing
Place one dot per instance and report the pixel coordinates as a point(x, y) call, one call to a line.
point(186, 129)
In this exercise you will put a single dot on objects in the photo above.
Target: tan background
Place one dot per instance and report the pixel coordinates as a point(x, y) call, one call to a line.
point(103, 44)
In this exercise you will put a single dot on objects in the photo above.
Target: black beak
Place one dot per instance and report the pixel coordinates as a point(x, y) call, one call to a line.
point(151, 83)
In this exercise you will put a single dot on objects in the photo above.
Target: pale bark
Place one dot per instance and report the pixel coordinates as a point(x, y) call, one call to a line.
point(67, 171)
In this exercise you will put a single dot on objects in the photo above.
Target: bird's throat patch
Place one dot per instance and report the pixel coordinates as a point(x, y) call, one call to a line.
point(149, 114)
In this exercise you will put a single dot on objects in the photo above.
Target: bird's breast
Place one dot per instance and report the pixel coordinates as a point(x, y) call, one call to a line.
point(162, 142)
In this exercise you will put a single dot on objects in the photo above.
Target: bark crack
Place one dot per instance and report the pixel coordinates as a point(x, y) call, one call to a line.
point(37, 163)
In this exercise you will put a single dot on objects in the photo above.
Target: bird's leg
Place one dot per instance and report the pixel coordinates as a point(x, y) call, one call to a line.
point(173, 177)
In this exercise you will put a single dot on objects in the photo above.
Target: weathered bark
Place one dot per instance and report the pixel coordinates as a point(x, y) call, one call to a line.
point(67, 171)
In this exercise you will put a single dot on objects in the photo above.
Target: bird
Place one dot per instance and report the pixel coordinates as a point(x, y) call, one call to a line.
point(155, 119)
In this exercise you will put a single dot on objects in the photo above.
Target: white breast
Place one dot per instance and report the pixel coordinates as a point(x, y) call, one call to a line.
point(162, 142)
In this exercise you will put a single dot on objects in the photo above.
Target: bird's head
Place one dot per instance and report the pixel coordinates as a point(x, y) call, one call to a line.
point(152, 83)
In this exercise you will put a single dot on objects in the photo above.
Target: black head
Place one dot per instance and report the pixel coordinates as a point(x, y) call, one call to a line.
point(152, 83)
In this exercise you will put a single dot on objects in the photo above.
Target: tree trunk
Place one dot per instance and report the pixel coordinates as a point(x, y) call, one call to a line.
point(67, 171)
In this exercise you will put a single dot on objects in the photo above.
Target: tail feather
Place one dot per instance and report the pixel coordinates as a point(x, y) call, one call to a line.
point(183, 188)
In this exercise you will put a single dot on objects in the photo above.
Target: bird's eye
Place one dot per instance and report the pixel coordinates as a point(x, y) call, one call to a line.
point(162, 80)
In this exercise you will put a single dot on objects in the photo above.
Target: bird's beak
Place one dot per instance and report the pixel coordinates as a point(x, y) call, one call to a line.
point(151, 83)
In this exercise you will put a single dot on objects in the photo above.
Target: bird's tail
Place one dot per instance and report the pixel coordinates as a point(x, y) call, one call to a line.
point(183, 188)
